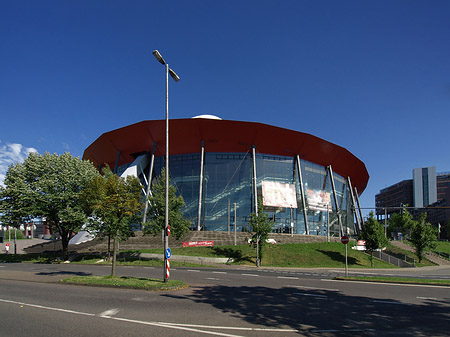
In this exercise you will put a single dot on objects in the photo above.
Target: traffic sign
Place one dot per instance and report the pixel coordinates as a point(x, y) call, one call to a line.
point(168, 253)
point(344, 239)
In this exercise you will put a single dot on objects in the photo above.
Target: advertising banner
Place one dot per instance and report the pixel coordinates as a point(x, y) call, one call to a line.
point(197, 243)
point(318, 200)
point(277, 194)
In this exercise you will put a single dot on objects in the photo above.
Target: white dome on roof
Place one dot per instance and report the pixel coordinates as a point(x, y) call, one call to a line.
point(208, 117)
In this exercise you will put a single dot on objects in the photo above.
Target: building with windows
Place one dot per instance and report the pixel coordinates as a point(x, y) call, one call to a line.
point(428, 191)
point(222, 167)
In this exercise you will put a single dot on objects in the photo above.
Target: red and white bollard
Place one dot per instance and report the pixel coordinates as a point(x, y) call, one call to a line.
point(168, 269)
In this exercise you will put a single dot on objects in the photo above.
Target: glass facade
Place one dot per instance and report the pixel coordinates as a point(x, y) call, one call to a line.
point(228, 192)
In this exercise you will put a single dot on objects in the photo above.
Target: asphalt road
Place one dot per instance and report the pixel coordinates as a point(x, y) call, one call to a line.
point(219, 301)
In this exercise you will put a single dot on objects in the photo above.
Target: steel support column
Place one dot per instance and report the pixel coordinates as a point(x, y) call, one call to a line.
point(338, 211)
point(255, 190)
point(302, 191)
point(359, 207)
point(355, 213)
point(200, 189)
point(149, 181)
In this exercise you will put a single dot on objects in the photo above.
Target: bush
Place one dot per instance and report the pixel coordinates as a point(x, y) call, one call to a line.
point(19, 235)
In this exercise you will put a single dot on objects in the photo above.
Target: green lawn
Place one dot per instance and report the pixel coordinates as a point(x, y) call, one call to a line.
point(305, 255)
point(442, 247)
point(400, 253)
point(126, 282)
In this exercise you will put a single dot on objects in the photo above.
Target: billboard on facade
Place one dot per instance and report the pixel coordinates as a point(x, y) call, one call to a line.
point(277, 194)
point(319, 200)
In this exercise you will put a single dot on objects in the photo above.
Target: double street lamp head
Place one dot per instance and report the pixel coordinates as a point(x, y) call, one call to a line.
point(160, 59)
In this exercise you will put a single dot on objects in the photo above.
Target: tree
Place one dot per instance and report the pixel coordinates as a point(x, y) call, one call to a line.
point(423, 236)
point(373, 234)
point(114, 203)
point(49, 186)
point(14, 208)
point(402, 221)
point(157, 206)
point(261, 226)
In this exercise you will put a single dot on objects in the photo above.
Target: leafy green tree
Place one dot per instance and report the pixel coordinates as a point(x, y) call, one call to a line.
point(423, 236)
point(157, 206)
point(374, 235)
point(114, 203)
point(14, 207)
point(48, 186)
point(261, 226)
point(402, 221)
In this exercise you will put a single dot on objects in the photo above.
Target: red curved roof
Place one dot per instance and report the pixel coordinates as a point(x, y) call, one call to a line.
point(186, 135)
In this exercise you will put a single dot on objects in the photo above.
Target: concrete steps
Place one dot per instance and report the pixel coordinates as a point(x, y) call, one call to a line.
point(140, 241)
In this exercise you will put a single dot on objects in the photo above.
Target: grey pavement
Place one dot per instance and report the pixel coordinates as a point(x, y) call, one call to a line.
point(21, 245)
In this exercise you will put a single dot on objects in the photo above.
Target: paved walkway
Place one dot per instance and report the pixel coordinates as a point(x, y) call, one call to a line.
point(21, 245)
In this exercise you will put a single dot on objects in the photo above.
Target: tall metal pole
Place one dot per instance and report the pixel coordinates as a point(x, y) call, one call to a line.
point(302, 191)
point(235, 223)
point(176, 78)
point(200, 189)
point(166, 223)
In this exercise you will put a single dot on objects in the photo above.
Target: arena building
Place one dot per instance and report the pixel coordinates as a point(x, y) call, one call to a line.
point(222, 167)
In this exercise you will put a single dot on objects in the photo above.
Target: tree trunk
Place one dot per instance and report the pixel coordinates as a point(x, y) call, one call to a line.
point(114, 256)
point(65, 247)
point(108, 255)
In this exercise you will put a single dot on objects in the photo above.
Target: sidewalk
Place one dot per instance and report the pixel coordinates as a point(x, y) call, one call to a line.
point(21, 245)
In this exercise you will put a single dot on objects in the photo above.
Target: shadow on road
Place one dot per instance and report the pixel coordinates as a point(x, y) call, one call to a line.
point(62, 272)
point(326, 313)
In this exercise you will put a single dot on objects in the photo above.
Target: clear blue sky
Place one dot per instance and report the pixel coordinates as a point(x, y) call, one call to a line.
point(371, 76)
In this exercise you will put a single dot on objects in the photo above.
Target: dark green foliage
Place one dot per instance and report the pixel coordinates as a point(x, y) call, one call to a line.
point(423, 236)
point(402, 222)
point(156, 210)
point(261, 226)
point(374, 235)
point(114, 203)
point(47, 186)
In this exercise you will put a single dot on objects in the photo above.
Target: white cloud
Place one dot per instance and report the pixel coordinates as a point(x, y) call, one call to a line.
point(11, 153)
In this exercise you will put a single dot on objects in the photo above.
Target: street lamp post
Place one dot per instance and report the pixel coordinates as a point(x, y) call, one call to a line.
point(160, 59)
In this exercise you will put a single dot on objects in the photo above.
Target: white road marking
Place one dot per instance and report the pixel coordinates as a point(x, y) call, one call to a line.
point(179, 326)
point(109, 313)
point(249, 275)
point(48, 308)
point(312, 295)
point(389, 302)
point(314, 288)
point(390, 284)
point(288, 277)
point(219, 272)
point(149, 267)
point(233, 327)
point(426, 298)
point(213, 278)
point(194, 270)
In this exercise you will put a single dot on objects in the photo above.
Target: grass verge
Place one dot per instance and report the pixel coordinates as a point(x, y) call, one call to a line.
point(401, 280)
point(126, 282)
point(304, 255)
